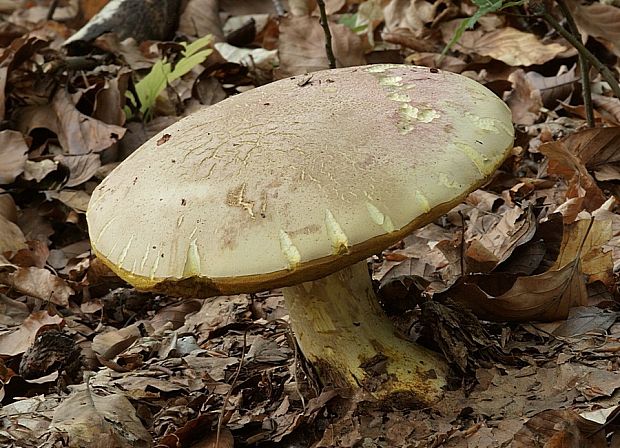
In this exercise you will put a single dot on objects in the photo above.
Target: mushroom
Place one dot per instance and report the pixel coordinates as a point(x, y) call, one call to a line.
point(293, 185)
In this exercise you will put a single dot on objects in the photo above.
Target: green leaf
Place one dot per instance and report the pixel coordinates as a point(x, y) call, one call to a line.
point(162, 73)
point(484, 7)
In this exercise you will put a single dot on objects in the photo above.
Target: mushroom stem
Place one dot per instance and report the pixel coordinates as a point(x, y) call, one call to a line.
point(344, 333)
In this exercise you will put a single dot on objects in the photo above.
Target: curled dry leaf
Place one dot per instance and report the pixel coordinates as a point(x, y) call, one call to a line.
point(544, 297)
point(582, 188)
point(608, 107)
point(554, 88)
point(110, 344)
point(598, 149)
point(175, 314)
point(548, 296)
point(39, 283)
point(493, 246)
point(510, 46)
point(302, 46)
point(77, 133)
point(13, 155)
point(17, 342)
point(38, 170)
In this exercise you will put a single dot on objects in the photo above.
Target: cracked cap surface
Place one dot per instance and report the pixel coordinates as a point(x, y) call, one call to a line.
point(296, 179)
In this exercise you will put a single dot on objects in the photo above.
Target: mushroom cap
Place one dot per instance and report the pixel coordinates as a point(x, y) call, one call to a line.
point(294, 180)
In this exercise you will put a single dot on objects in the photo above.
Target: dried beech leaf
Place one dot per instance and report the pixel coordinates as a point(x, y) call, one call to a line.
point(564, 162)
point(585, 239)
point(512, 47)
point(17, 342)
point(39, 283)
point(546, 297)
point(554, 88)
point(13, 155)
point(302, 46)
point(75, 199)
point(598, 149)
point(110, 344)
point(516, 227)
point(524, 100)
point(608, 107)
point(202, 17)
point(585, 319)
point(92, 421)
point(598, 20)
point(11, 237)
point(81, 167)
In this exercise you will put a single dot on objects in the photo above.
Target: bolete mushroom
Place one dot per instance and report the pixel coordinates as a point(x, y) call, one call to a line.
point(293, 185)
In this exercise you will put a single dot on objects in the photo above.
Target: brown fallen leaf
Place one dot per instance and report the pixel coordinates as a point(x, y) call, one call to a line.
point(561, 428)
point(598, 149)
point(587, 239)
point(511, 46)
point(77, 133)
point(524, 100)
point(39, 283)
point(12, 238)
point(494, 245)
point(582, 188)
point(13, 155)
point(608, 107)
point(18, 341)
point(197, 433)
point(554, 88)
point(302, 46)
point(110, 344)
point(12, 312)
point(598, 20)
point(93, 421)
point(548, 296)
point(202, 17)
point(175, 314)
point(34, 254)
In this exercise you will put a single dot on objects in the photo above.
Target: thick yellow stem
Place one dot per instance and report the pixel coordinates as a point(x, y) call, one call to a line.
point(344, 333)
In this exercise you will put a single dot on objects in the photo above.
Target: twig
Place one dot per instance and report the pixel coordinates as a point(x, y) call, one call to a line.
point(220, 419)
point(52, 10)
point(584, 65)
point(539, 9)
point(462, 243)
point(328, 35)
point(295, 361)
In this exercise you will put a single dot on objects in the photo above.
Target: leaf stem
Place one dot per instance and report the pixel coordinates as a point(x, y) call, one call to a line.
point(584, 65)
point(539, 9)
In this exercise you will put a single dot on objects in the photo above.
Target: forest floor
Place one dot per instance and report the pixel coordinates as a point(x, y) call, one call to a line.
point(517, 287)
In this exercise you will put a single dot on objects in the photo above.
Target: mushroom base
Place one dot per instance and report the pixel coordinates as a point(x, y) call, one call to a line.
point(342, 330)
